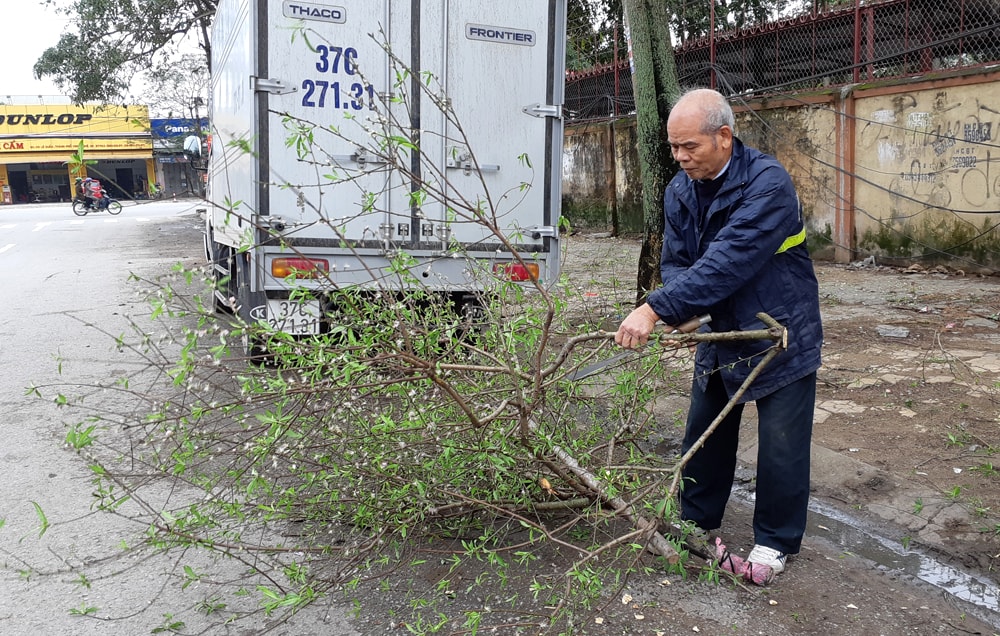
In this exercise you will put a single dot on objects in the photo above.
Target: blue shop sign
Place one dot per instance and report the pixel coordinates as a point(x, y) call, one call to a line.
point(176, 127)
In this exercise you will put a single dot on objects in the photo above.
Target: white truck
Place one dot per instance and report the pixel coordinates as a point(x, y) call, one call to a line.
point(346, 133)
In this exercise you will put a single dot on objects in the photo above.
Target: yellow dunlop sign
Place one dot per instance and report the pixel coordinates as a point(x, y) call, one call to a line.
point(51, 128)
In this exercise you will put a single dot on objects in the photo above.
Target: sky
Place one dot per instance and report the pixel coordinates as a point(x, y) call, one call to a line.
point(28, 32)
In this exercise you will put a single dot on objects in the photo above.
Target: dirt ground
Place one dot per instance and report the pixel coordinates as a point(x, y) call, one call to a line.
point(906, 471)
point(904, 485)
point(904, 538)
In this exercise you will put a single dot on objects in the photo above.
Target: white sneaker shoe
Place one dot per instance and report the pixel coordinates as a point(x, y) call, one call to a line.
point(764, 564)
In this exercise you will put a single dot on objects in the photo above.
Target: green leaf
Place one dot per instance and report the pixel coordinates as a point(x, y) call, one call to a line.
point(78, 437)
point(43, 520)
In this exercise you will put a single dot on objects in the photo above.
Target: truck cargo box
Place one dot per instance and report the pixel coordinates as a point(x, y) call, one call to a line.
point(348, 133)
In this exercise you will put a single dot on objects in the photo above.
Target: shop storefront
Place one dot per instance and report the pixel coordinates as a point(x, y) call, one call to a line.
point(38, 141)
point(178, 171)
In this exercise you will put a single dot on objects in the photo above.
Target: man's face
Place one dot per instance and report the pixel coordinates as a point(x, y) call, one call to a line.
point(701, 155)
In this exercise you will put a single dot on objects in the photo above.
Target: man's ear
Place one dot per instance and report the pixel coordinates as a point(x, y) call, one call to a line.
point(726, 134)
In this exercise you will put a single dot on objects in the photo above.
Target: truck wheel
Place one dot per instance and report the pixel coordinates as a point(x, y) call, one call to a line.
point(222, 273)
point(254, 347)
point(471, 311)
point(223, 280)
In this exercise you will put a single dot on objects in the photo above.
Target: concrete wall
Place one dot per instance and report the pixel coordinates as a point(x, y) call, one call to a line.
point(927, 178)
point(588, 176)
point(803, 139)
point(907, 171)
point(601, 184)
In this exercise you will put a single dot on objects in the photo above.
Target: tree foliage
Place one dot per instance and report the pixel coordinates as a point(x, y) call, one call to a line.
point(691, 20)
point(594, 24)
point(110, 41)
point(176, 86)
point(593, 30)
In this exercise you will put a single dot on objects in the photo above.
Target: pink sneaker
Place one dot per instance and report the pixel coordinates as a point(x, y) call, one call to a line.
point(760, 567)
point(728, 561)
point(764, 564)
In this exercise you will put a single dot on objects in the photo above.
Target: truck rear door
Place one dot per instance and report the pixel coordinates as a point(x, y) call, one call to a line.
point(489, 117)
point(325, 71)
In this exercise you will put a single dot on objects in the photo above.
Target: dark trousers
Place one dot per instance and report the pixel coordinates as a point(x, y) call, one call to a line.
point(785, 419)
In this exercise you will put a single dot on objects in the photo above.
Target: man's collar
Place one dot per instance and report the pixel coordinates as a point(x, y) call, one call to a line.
point(722, 173)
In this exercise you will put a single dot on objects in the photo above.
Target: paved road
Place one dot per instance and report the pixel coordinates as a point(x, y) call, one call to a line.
point(59, 273)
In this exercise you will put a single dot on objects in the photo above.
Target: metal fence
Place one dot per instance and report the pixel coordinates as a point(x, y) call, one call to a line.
point(859, 43)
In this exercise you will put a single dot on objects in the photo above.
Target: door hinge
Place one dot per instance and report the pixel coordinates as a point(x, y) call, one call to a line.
point(543, 110)
point(538, 231)
point(271, 85)
point(362, 157)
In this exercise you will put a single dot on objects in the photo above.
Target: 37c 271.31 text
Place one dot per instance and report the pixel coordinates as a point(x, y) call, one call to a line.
point(294, 317)
point(336, 60)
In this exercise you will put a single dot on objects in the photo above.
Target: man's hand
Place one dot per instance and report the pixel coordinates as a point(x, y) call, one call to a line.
point(635, 329)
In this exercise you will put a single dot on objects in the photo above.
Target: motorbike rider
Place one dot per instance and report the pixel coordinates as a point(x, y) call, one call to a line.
point(86, 189)
point(80, 192)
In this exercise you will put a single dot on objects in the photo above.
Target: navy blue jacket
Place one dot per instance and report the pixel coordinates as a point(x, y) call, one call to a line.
point(726, 265)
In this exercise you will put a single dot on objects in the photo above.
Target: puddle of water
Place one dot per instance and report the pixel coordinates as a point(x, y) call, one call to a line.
point(980, 595)
point(890, 553)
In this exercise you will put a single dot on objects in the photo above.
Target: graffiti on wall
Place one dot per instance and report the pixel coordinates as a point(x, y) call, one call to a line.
point(926, 183)
point(932, 154)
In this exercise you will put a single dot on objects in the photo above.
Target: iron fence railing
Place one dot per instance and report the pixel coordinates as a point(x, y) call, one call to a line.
point(863, 42)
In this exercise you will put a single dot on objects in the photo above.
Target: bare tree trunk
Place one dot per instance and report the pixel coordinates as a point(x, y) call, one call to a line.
point(656, 88)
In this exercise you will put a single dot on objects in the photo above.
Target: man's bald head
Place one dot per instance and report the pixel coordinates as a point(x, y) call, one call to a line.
point(709, 106)
point(700, 133)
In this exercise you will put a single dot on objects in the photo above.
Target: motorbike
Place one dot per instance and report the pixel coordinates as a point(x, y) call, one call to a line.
point(82, 206)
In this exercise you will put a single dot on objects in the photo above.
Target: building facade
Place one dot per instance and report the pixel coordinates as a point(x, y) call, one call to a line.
point(38, 144)
point(180, 172)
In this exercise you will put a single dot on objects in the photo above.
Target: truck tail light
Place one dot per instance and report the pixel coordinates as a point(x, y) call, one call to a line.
point(300, 267)
point(516, 272)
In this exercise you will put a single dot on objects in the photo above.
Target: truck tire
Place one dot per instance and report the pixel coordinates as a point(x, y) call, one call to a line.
point(254, 348)
point(222, 273)
point(223, 280)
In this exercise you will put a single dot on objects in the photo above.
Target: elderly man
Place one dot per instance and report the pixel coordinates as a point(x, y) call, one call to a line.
point(733, 246)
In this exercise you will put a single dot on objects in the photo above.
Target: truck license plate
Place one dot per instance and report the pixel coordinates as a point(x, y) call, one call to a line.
point(294, 316)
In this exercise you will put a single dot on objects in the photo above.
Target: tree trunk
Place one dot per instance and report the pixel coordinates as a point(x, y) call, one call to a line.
point(656, 88)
